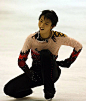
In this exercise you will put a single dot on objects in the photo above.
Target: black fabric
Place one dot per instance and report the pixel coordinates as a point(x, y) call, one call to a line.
point(46, 70)
point(30, 73)
point(20, 86)
point(45, 74)
point(48, 73)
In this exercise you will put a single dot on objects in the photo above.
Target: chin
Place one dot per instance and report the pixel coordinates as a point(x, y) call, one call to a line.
point(42, 31)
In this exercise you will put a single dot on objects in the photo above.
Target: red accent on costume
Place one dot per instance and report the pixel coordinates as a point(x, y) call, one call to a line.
point(34, 52)
point(74, 54)
point(35, 55)
point(21, 63)
point(23, 56)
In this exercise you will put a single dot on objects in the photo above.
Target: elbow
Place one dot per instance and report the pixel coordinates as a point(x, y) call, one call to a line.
point(81, 46)
point(78, 48)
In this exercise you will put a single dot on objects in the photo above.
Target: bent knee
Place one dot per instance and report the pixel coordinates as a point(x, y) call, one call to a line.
point(8, 90)
point(46, 54)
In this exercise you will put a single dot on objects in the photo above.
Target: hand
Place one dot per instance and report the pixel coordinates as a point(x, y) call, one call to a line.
point(30, 73)
point(64, 63)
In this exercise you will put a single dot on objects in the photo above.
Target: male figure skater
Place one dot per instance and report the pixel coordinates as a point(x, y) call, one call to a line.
point(44, 46)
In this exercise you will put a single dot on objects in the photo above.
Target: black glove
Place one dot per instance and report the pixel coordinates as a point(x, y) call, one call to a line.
point(28, 72)
point(64, 63)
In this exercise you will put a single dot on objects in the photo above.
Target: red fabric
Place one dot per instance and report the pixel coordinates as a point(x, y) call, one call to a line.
point(21, 63)
point(35, 55)
point(34, 52)
point(74, 54)
point(22, 59)
point(23, 56)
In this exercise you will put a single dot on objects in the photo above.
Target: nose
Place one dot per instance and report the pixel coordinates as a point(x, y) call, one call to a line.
point(42, 25)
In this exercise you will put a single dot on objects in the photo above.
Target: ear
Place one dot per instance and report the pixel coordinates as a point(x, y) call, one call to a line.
point(52, 26)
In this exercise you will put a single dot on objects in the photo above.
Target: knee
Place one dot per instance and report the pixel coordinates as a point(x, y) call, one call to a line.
point(45, 53)
point(8, 90)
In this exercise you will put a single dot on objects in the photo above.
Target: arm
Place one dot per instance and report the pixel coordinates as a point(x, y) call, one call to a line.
point(23, 57)
point(77, 49)
point(67, 62)
point(22, 62)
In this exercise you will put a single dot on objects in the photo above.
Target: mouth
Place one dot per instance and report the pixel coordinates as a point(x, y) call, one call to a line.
point(41, 28)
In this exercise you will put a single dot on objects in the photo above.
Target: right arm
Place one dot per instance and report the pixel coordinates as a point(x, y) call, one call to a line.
point(22, 62)
point(23, 57)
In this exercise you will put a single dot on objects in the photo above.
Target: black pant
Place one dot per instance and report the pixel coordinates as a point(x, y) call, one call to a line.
point(46, 74)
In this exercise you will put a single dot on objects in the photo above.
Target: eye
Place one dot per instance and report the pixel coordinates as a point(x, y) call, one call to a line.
point(46, 23)
point(41, 21)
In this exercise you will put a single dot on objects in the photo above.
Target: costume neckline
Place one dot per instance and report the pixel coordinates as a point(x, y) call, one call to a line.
point(39, 38)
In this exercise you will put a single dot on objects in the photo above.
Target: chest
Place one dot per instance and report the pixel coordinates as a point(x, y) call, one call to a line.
point(40, 45)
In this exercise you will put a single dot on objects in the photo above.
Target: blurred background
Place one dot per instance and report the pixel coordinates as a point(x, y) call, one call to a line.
point(19, 18)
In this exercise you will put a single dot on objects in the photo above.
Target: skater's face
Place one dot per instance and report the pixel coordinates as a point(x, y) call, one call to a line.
point(45, 26)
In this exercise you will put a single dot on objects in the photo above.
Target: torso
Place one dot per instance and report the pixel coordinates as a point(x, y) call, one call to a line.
point(51, 45)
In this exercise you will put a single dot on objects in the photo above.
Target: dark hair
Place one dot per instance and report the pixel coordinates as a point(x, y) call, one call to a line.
point(50, 14)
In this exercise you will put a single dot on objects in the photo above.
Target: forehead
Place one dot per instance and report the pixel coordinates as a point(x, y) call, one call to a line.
point(45, 19)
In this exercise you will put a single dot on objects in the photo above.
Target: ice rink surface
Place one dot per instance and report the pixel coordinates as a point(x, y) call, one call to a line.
point(18, 19)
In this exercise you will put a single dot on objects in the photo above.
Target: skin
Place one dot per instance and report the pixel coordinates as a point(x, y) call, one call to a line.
point(45, 26)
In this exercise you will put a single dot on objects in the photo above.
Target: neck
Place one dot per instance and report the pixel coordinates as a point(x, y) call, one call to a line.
point(46, 36)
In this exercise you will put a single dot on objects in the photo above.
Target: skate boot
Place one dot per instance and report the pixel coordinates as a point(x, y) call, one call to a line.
point(49, 94)
point(48, 99)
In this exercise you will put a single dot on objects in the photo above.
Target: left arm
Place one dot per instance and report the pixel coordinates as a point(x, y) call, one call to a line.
point(77, 49)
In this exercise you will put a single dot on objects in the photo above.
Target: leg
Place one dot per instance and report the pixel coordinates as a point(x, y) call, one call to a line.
point(20, 86)
point(48, 70)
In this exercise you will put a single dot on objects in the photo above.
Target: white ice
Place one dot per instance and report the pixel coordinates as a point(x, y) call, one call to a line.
point(18, 19)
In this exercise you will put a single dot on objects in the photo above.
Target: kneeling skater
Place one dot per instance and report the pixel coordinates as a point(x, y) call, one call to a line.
point(44, 46)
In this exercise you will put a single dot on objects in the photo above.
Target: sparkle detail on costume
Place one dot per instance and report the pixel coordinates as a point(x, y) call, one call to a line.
point(57, 34)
